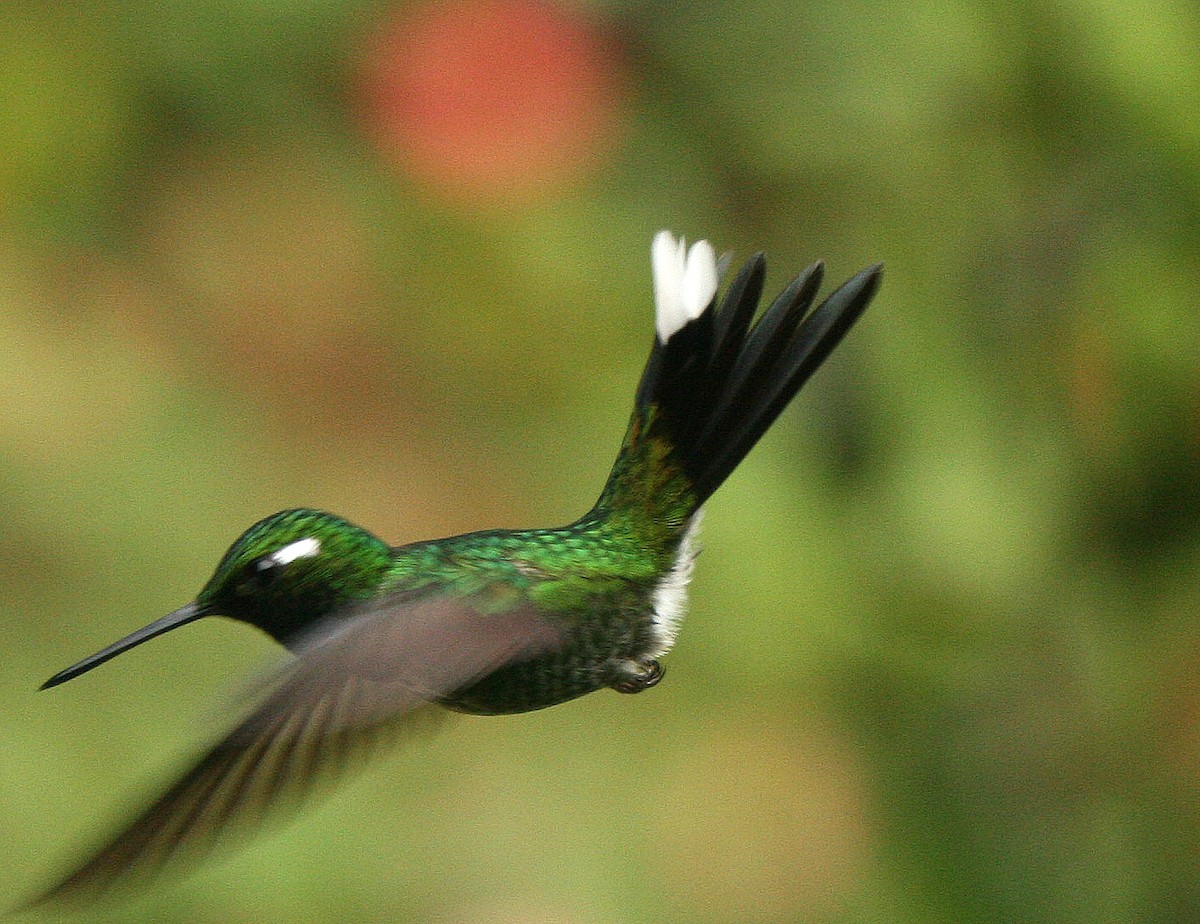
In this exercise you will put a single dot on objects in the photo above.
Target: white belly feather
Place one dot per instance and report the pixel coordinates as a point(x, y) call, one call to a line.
point(670, 596)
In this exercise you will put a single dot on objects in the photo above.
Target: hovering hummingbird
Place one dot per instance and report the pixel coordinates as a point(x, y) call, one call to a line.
point(498, 621)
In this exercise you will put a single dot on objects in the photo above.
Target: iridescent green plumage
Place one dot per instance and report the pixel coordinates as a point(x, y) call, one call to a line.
point(495, 621)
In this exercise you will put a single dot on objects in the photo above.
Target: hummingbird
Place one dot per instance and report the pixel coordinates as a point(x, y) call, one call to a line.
point(496, 621)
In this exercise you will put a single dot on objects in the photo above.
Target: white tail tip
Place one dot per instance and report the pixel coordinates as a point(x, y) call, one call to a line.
point(685, 281)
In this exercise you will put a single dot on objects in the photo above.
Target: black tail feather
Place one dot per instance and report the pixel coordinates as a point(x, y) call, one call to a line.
point(755, 370)
point(732, 323)
point(719, 382)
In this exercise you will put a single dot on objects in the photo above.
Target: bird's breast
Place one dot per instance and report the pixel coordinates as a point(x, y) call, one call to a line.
point(608, 633)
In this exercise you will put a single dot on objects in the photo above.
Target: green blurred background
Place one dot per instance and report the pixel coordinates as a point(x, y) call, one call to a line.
point(392, 260)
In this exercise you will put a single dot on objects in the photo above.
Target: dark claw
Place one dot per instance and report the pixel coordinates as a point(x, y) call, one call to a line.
point(641, 677)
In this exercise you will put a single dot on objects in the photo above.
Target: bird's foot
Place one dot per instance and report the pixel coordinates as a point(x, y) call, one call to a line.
point(634, 676)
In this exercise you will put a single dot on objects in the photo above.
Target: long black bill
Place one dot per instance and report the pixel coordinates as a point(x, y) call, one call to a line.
point(181, 616)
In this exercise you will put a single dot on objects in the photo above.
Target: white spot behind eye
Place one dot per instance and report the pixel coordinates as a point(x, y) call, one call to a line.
point(301, 548)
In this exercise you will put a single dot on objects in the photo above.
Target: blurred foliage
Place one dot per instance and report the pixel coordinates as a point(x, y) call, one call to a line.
point(941, 664)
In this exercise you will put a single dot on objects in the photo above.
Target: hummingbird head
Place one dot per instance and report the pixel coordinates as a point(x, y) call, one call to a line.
point(293, 568)
point(282, 574)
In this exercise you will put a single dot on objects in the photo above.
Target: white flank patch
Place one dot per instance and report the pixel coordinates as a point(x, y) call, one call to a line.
point(301, 548)
point(670, 596)
point(685, 281)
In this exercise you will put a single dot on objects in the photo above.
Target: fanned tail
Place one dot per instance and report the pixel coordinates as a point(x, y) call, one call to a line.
point(715, 382)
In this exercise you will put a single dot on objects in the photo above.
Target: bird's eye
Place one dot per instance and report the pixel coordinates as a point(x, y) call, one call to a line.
point(261, 574)
point(268, 569)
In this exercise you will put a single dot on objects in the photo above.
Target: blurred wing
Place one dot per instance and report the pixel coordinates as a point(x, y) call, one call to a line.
point(352, 678)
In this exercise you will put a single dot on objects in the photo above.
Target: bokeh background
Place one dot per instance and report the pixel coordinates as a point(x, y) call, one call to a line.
point(391, 259)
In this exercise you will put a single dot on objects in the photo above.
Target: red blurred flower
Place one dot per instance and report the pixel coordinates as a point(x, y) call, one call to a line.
point(492, 99)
